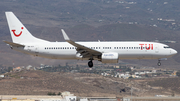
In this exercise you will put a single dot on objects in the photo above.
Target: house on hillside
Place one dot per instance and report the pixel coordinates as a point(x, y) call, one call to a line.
point(66, 93)
point(174, 73)
point(1, 76)
point(17, 69)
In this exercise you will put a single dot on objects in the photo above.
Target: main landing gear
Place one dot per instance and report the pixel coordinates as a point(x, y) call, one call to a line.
point(90, 64)
point(159, 63)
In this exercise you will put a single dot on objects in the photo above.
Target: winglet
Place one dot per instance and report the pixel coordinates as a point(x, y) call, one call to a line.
point(65, 35)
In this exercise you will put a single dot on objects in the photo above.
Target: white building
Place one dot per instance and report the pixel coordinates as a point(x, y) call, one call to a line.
point(70, 98)
point(84, 99)
point(1, 76)
point(66, 93)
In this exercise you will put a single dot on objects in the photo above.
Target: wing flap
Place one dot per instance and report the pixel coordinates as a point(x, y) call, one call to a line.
point(83, 50)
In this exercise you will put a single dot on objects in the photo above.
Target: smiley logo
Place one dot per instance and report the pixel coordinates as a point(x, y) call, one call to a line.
point(17, 35)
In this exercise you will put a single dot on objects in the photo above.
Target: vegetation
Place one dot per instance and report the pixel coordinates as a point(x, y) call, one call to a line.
point(178, 73)
point(51, 93)
point(59, 94)
point(5, 69)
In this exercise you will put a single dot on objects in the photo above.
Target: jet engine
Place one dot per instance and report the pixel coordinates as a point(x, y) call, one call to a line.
point(110, 57)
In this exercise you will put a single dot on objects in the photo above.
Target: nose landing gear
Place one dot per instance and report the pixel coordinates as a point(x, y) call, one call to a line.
point(159, 63)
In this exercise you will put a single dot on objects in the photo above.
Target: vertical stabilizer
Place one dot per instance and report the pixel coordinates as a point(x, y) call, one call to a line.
point(18, 31)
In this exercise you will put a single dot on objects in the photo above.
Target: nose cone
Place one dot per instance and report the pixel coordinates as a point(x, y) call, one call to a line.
point(173, 52)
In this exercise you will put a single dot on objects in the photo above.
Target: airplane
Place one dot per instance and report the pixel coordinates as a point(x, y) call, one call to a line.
point(105, 52)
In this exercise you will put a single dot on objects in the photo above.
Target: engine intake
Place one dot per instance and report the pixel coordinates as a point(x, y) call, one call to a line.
point(78, 56)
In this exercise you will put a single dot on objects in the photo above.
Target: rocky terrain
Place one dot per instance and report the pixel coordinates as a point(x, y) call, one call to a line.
point(82, 84)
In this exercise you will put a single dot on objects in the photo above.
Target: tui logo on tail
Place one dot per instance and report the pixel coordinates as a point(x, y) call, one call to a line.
point(17, 35)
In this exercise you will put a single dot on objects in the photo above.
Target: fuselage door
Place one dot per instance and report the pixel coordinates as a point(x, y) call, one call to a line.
point(36, 50)
point(156, 48)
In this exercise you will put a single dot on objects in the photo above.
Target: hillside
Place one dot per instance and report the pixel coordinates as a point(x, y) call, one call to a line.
point(40, 83)
point(94, 12)
point(83, 84)
point(167, 83)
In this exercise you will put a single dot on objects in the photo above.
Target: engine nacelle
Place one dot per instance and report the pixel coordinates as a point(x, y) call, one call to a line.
point(78, 56)
point(110, 57)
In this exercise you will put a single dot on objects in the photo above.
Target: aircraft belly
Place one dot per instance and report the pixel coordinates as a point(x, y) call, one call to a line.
point(58, 55)
point(135, 55)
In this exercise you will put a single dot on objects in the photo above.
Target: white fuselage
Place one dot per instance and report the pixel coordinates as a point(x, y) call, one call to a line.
point(125, 50)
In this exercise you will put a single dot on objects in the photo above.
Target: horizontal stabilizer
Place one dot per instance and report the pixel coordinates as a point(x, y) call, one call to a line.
point(14, 44)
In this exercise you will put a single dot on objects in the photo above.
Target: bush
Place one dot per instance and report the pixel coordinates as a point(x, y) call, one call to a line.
point(59, 93)
point(51, 94)
point(178, 73)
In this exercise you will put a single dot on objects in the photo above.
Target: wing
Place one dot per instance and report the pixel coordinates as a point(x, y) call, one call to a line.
point(85, 51)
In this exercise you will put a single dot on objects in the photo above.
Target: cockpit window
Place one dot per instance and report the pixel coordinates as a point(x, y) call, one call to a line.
point(166, 47)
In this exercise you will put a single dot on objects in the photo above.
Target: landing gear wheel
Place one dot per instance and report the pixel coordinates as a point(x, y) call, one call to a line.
point(90, 64)
point(159, 63)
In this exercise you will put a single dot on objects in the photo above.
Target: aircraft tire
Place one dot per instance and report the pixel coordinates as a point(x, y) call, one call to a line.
point(90, 64)
point(159, 63)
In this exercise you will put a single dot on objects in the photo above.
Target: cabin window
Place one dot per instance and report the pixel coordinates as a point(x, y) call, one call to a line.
point(166, 47)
